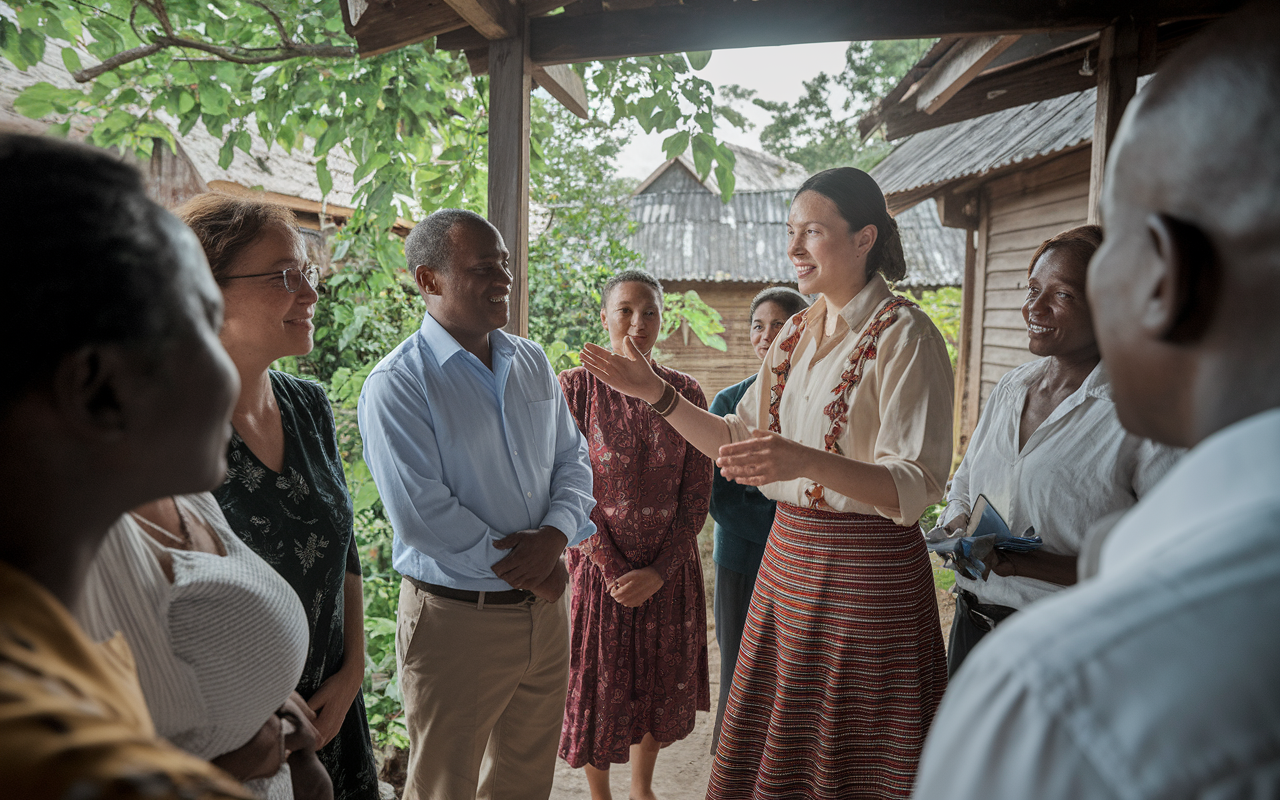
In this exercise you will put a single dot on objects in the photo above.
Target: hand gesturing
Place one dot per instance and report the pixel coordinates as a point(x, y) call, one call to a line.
point(629, 372)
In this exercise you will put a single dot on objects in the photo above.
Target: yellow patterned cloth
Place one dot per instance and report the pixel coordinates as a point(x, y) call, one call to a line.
point(73, 723)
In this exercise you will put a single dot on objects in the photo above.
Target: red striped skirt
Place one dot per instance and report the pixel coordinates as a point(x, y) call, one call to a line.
point(841, 667)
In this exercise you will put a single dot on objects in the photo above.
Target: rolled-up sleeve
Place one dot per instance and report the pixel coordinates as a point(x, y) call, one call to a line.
point(744, 417)
point(914, 441)
point(571, 497)
point(402, 452)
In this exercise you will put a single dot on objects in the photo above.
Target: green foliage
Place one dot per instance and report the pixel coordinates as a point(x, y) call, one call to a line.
point(661, 94)
point(943, 307)
point(582, 240)
point(583, 243)
point(689, 309)
point(820, 129)
point(414, 120)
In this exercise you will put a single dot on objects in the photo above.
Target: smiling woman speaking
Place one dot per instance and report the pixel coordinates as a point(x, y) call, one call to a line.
point(849, 429)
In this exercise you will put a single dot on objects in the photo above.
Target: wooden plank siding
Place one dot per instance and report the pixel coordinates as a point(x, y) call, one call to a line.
point(1019, 211)
point(713, 369)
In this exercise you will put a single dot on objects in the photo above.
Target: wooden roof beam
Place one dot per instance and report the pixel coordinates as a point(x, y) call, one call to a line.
point(562, 83)
point(962, 63)
point(492, 19)
point(714, 26)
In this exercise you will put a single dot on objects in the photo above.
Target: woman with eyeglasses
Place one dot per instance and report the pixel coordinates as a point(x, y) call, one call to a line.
point(285, 493)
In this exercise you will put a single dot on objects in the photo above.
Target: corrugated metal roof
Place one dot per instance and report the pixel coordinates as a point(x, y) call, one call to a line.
point(692, 236)
point(934, 254)
point(978, 146)
point(753, 171)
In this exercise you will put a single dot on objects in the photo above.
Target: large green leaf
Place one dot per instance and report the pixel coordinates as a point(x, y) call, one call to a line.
point(323, 177)
point(675, 144)
point(698, 59)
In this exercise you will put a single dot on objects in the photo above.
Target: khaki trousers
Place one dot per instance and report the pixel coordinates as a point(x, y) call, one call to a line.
point(484, 691)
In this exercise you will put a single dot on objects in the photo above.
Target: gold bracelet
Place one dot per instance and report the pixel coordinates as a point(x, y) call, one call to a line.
point(666, 402)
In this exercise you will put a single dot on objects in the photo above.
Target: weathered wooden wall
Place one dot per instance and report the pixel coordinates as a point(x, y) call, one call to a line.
point(713, 369)
point(1018, 212)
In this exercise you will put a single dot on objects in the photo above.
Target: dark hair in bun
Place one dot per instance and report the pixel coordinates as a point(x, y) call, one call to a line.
point(861, 203)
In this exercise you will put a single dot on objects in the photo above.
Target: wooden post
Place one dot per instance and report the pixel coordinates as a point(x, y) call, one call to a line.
point(964, 356)
point(1119, 51)
point(509, 85)
point(977, 292)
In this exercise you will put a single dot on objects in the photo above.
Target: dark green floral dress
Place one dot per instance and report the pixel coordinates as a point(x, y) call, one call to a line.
point(300, 522)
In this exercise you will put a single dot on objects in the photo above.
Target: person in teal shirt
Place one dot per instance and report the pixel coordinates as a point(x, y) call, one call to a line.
point(743, 515)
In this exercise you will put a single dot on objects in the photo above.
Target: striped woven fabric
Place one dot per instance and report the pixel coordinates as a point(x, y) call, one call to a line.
point(841, 667)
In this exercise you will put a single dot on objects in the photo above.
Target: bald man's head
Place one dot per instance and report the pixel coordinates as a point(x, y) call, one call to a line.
point(1185, 285)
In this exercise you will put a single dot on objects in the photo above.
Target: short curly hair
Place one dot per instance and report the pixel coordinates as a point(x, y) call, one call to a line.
point(629, 276)
point(1081, 242)
point(428, 244)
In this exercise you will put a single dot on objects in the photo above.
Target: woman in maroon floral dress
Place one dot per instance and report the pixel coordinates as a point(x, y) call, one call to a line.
point(638, 668)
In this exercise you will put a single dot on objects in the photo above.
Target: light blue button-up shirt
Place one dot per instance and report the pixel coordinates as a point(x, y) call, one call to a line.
point(463, 455)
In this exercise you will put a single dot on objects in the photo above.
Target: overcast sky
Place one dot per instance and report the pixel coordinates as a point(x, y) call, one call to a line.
point(776, 73)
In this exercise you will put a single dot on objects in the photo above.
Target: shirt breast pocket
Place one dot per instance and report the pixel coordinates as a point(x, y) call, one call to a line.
point(540, 432)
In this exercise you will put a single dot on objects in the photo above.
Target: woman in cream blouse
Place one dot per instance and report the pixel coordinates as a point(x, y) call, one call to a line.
point(849, 429)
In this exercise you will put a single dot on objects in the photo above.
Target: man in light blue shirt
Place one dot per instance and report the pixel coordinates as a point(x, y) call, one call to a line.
point(485, 478)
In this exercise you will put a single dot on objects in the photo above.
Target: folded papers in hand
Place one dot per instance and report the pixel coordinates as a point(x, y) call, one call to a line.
point(966, 551)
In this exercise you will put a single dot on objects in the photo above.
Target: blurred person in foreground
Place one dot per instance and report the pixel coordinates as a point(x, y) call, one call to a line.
point(742, 513)
point(118, 392)
point(1156, 679)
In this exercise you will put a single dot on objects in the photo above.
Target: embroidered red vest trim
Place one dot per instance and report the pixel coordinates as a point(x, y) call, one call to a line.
point(838, 409)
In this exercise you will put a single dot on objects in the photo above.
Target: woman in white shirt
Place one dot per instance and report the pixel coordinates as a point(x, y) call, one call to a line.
point(219, 639)
point(1049, 452)
point(849, 429)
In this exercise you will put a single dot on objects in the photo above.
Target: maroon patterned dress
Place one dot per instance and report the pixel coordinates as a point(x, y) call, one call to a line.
point(640, 670)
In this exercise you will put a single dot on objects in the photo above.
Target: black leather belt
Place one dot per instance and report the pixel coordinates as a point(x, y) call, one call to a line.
point(509, 597)
point(986, 616)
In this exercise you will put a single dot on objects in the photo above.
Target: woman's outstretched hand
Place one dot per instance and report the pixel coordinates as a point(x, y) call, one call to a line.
point(764, 458)
point(628, 372)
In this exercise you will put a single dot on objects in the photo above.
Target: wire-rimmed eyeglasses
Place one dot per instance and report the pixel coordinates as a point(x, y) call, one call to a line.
point(293, 277)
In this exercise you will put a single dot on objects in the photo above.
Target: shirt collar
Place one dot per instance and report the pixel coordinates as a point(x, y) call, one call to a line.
point(857, 311)
point(444, 347)
point(1231, 472)
point(1097, 385)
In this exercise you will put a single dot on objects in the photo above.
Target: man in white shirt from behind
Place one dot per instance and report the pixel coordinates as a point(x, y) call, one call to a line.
point(1160, 677)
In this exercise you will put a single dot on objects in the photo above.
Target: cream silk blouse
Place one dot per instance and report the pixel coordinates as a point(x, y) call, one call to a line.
point(899, 414)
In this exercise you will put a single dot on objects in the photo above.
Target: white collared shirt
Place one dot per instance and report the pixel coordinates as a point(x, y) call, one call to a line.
point(1157, 679)
point(1079, 466)
point(899, 415)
